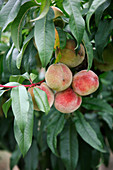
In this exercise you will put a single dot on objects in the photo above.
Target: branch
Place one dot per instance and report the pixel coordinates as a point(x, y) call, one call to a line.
point(31, 85)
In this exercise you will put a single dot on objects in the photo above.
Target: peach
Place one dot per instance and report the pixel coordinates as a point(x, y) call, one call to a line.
point(70, 44)
point(58, 77)
point(48, 91)
point(67, 101)
point(85, 82)
point(69, 56)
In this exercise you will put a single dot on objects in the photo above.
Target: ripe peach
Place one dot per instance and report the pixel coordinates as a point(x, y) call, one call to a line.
point(67, 101)
point(85, 82)
point(58, 77)
point(47, 90)
point(69, 56)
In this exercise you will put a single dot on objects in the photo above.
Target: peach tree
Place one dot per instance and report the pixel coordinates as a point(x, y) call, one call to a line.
point(56, 83)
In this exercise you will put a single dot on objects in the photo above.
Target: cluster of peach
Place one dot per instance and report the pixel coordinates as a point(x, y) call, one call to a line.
point(62, 88)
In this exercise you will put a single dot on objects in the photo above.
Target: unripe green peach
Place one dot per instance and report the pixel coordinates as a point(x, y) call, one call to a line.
point(48, 91)
point(58, 77)
point(85, 82)
point(67, 101)
point(69, 56)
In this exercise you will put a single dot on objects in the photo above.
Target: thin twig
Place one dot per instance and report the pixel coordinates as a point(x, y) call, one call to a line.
point(31, 85)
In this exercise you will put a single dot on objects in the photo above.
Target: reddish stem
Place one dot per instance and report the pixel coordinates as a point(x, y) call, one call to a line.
point(31, 85)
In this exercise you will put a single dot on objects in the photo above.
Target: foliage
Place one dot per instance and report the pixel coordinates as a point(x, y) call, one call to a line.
point(47, 138)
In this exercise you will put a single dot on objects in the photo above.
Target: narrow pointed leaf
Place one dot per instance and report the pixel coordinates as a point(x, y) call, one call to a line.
point(69, 147)
point(97, 104)
point(12, 84)
point(45, 37)
point(8, 55)
point(9, 12)
point(55, 127)
point(19, 78)
point(102, 36)
point(95, 4)
point(41, 100)
point(15, 157)
point(32, 157)
point(16, 28)
point(24, 139)
point(44, 9)
point(89, 50)
point(2, 92)
point(25, 43)
point(6, 106)
point(20, 106)
point(86, 132)
point(100, 10)
point(11, 58)
point(76, 22)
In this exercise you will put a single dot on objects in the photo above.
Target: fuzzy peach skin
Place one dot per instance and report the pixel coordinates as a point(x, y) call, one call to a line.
point(58, 77)
point(69, 56)
point(48, 91)
point(85, 82)
point(67, 101)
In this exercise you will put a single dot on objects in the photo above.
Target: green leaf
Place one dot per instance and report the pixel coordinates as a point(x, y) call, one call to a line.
point(33, 77)
point(45, 37)
point(19, 78)
point(100, 10)
point(25, 43)
point(3, 47)
point(6, 106)
point(86, 132)
point(94, 122)
point(11, 58)
point(95, 4)
point(62, 37)
point(108, 118)
point(15, 157)
point(12, 84)
point(9, 12)
point(89, 49)
point(8, 56)
point(20, 106)
point(53, 129)
point(26, 76)
point(16, 28)
point(56, 163)
point(41, 100)
point(24, 139)
point(76, 21)
point(97, 104)
point(96, 156)
point(29, 61)
point(16, 78)
point(69, 146)
point(44, 9)
point(84, 156)
point(102, 35)
point(109, 135)
point(2, 92)
point(31, 158)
